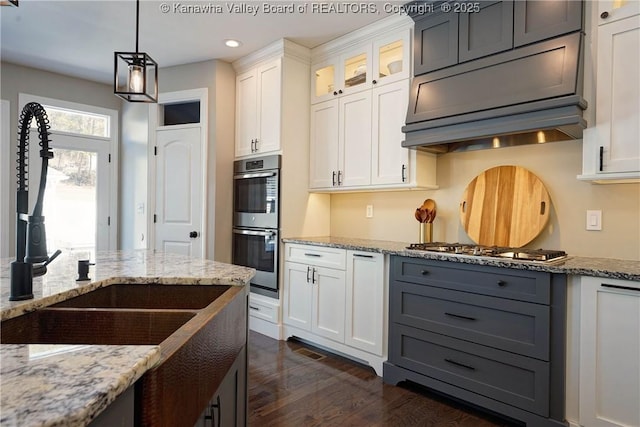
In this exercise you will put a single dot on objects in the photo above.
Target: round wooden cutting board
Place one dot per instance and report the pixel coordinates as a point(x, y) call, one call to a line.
point(504, 206)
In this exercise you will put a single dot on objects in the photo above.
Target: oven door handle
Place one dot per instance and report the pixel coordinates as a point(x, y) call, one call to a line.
point(254, 232)
point(255, 175)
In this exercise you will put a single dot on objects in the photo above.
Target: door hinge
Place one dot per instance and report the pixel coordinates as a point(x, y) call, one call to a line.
point(109, 220)
point(109, 157)
point(155, 218)
point(155, 150)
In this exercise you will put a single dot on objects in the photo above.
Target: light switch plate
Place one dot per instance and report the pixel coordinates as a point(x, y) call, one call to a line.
point(594, 220)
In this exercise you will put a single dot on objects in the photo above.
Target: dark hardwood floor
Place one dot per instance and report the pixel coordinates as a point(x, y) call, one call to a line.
point(293, 384)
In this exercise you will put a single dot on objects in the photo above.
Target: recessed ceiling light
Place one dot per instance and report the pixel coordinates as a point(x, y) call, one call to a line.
point(232, 43)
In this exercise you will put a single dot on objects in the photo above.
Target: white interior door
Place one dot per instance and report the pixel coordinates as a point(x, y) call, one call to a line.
point(179, 205)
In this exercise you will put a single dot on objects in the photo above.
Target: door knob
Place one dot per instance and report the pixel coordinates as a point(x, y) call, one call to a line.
point(193, 234)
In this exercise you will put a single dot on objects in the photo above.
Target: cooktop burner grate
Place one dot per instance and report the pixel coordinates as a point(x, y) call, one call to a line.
point(522, 254)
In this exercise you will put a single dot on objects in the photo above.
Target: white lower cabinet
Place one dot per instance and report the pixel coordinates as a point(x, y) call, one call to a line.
point(609, 352)
point(328, 309)
point(365, 301)
point(336, 299)
point(314, 295)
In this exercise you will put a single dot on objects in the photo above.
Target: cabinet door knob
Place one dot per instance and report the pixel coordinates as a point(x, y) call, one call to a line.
point(335, 93)
point(501, 283)
point(604, 15)
point(193, 234)
point(339, 90)
point(374, 82)
point(424, 272)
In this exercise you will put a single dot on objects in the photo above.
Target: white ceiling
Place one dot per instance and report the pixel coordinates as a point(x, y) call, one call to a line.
point(78, 37)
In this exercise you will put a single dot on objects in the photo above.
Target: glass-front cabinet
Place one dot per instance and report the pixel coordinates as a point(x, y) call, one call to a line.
point(356, 73)
point(342, 74)
point(392, 58)
point(385, 60)
point(323, 81)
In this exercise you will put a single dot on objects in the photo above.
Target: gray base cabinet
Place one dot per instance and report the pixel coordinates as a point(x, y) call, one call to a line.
point(494, 337)
point(228, 407)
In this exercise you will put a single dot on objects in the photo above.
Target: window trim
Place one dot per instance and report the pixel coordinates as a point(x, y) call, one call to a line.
point(5, 168)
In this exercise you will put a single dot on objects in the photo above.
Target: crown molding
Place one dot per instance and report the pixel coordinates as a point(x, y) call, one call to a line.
point(277, 49)
point(365, 34)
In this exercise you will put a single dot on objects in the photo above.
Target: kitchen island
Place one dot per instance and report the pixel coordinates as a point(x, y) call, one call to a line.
point(72, 385)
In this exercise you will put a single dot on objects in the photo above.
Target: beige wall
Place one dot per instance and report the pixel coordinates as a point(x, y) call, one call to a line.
point(219, 78)
point(16, 79)
point(556, 164)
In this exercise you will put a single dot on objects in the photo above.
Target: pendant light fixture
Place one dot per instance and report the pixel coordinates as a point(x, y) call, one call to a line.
point(135, 73)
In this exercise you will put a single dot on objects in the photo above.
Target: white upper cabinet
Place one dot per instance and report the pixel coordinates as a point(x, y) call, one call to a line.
point(342, 74)
point(611, 152)
point(323, 159)
point(392, 58)
point(377, 61)
point(389, 161)
point(258, 109)
point(341, 142)
point(359, 98)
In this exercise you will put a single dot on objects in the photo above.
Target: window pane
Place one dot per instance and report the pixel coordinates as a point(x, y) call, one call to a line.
point(76, 122)
point(70, 202)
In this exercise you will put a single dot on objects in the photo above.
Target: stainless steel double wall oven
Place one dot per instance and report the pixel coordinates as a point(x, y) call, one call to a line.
point(256, 220)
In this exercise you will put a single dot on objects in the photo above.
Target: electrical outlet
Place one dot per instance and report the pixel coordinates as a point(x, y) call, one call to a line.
point(594, 220)
point(369, 213)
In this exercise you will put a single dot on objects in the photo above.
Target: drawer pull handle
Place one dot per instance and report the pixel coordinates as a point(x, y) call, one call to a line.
point(501, 283)
point(424, 272)
point(460, 316)
point(363, 256)
point(462, 365)
point(626, 288)
point(252, 307)
point(314, 255)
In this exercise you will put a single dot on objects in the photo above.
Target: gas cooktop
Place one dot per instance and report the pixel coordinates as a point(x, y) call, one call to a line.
point(520, 254)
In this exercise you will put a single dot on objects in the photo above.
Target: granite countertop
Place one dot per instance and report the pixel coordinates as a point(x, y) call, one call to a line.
point(139, 266)
point(43, 385)
point(56, 385)
point(582, 266)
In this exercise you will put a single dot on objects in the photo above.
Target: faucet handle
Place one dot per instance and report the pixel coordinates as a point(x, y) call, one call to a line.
point(40, 270)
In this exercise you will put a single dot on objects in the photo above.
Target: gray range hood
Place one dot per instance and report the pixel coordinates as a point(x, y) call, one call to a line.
point(526, 95)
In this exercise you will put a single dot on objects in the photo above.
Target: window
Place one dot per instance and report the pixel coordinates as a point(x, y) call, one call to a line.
point(76, 122)
point(80, 203)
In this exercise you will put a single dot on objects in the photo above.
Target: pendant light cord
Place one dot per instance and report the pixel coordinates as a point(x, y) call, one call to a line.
point(137, 22)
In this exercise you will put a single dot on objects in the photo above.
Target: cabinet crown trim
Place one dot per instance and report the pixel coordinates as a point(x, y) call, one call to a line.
point(279, 48)
point(369, 33)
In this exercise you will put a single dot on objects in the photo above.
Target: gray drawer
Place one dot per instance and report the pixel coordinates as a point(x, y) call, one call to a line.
point(531, 286)
point(514, 326)
point(506, 377)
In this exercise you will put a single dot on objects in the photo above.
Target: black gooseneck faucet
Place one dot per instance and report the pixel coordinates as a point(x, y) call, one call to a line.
point(31, 239)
